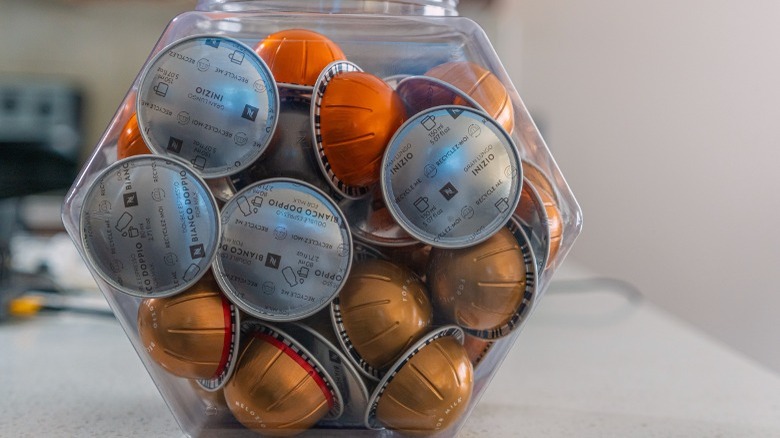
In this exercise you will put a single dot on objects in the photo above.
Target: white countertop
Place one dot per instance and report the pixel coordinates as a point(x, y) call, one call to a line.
point(588, 364)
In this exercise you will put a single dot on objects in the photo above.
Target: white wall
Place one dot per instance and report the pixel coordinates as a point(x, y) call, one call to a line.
point(664, 118)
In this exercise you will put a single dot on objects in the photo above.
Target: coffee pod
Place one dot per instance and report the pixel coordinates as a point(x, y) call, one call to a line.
point(285, 250)
point(415, 257)
point(210, 102)
point(130, 141)
point(354, 115)
point(487, 289)
point(531, 214)
point(394, 80)
point(193, 334)
point(382, 310)
point(549, 198)
point(297, 56)
point(423, 92)
point(476, 349)
point(372, 222)
point(482, 86)
point(149, 226)
point(451, 176)
point(290, 153)
point(278, 388)
point(428, 390)
point(346, 377)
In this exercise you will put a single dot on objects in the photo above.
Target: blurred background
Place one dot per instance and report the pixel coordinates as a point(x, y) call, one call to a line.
point(659, 114)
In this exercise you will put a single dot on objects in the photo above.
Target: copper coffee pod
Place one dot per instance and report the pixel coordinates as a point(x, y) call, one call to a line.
point(130, 141)
point(210, 102)
point(482, 86)
point(285, 250)
point(549, 198)
point(531, 214)
point(451, 176)
point(348, 380)
point(354, 115)
point(382, 310)
point(193, 334)
point(278, 388)
point(290, 153)
point(297, 56)
point(149, 226)
point(476, 349)
point(487, 289)
point(427, 391)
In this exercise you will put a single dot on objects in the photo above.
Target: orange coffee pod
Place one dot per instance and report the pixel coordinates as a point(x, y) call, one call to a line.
point(192, 334)
point(278, 388)
point(487, 288)
point(298, 56)
point(354, 116)
point(130, 140)
point(428, 390)
point(381, 311)
point(482, 85)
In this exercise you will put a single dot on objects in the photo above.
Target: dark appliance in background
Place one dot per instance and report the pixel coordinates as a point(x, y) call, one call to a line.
point(41, 137)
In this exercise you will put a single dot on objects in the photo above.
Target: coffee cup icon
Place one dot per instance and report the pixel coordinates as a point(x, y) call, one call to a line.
point(161, 89)
point(429, 122)
point(422, 203)
point(236, 57)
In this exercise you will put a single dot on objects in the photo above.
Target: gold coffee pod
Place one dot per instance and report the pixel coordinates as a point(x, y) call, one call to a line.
point(277, 388)
point(381, 311)
point(427, 391)
point(354, 115)
point(486, 288)
point(130, 140)
point(192, 334)
point(297, 56)
point(482, 85)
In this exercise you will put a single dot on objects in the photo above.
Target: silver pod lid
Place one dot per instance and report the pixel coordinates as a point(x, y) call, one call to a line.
point(209, 101)
point(149, 226)
point(285, 250)
point(292, 346)
point(345, 376)
point(451, 176)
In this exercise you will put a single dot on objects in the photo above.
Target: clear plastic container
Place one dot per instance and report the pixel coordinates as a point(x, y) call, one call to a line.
point(391, 40)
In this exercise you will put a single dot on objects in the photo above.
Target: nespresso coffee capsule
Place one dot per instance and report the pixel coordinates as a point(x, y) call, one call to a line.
point(427, 390)
point(290, 153)
point(487, 289)
point(451, 176)
point(549, 198)
point(372, 222)
point(482, 85)
point(278, 388)
point(382, 310)
point(348, 380)
point(193, 334)
point(285, 250)
point(420, 93)
point(130, 141)
point(297, 56)
point(149, 226)
point(208, 101)
point(354, 114)
point(531, 214)
point(476, 349)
